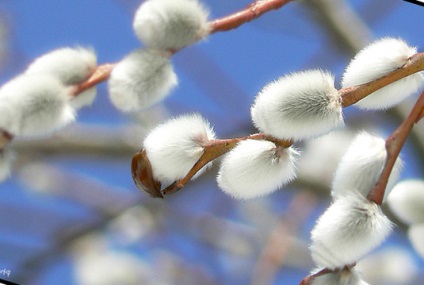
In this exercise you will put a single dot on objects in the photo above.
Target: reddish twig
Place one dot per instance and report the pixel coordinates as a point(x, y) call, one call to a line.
point(143, 175)
point(394, 144)
point(353, 94)
point(248, 14)
point(100, 75)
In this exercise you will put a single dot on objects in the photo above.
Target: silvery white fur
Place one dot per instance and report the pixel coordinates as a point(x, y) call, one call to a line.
point(34, 104)
point(348, 230)
point(376, 60)
point(175, 146)
point(361, 166)
point(71, 65)
point(407, 201)
point(256, 168)
point(141, 79)
point(416, 236)
point(298, 106)
point(171, 24)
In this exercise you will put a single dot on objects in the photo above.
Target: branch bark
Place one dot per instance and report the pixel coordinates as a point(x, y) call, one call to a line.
point(394, 144)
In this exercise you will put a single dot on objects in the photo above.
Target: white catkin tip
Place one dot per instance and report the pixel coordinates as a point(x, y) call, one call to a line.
point(361, 166)
point(256, 168)
point(84, 99)
point(141, 79)
point(171, 24)
point(416, 236)
point(407, 201)
point(35, 104)
point(348, 230)
point(340, 277)
point(298, 106)
point(175, 146)
point(71, 65)
point(376, 60)
point(5, 164)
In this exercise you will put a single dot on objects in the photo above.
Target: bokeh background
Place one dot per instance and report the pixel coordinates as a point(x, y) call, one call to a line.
point(70, 214)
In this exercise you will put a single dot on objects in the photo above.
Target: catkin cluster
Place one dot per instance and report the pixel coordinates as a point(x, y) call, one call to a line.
point(296, 107)
point(146, 76)
point(42, 99)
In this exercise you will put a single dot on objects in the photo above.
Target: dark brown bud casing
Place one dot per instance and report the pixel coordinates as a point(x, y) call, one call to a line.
point(142, 175)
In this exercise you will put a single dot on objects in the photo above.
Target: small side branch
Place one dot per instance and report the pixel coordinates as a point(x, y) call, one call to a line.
point(394, 144)
point(248, 14)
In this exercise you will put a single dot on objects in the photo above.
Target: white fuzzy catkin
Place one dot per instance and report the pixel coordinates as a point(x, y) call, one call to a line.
point(175, 146)
point(376, 60)
point(341, 277)
point(361, 166)
point(171, 24)
point(298, 106)
point(83, 99)
point(5, 163)
point(141, 79)
point(407, 201)
point(35, 104)
point(256, 168)
point(348, 230)
point(416, 236)
point(71, 65)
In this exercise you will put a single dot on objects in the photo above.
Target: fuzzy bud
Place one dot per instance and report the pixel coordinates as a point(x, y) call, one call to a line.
point(171, 24)
point(298, 106)
point(376, 60)
point(416, 236)
point(350, 228)
point(71, 65)
point(141, 79)
point(175, 146)
point(34, 104)
point(256, 168)
point(340, 277)
point(361, 166)
point(407, 201)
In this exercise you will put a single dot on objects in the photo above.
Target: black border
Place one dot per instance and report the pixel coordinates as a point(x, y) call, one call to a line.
point(415, 2)
point(2, 281)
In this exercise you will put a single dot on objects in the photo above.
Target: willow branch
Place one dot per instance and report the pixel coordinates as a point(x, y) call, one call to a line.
point(394, 144)
point(215, 149)
point(351, 95)
point(248, 14)
point(100, 75)
point(229, 22)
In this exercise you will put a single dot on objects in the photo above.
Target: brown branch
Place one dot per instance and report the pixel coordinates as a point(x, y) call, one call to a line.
point(394, 144)
point(143, 174)
point(229, 22)
point(248, 14)
point(100, 75)
point(351, 95)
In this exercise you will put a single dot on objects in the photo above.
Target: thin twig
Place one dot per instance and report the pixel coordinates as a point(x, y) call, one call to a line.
point(353, 94)
point(394, 144)
point(143, 178)
point(248, 14)
point(100, 75)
